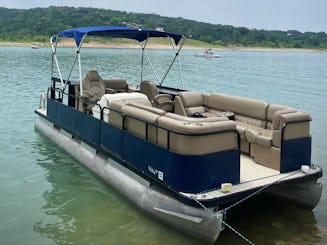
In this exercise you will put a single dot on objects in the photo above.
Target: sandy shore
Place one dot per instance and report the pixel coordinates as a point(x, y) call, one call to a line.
point(132, 45)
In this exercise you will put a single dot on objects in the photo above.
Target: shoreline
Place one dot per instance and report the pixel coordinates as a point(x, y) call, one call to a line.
point(130, 45)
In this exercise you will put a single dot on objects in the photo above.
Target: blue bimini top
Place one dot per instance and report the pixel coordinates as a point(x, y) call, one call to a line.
point(117, 32)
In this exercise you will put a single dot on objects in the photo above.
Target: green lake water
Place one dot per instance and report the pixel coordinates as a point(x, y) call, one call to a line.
point(46, 197)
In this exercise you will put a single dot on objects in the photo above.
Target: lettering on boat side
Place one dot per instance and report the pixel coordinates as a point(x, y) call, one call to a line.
point(160, 175)
point(156, 172)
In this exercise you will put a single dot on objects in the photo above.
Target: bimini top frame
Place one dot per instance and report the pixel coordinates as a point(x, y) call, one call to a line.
point(140, 35)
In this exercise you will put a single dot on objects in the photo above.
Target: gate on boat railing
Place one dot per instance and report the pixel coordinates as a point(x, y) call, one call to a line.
point(72, 99)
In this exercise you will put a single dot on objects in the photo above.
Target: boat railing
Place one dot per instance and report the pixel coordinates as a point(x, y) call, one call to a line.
point(169, 131)
point(55, 93)
point(169, 90)
point(73, 98)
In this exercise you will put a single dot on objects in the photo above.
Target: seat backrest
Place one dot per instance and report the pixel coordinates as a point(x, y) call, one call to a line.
point(92, 79)
point(93, 87)
point(187, 103)
point(149, 89)
point(274, 112)
point(140, 122)
point(117, 84)
point(196, 138)
point(191, 99)
point(249, 111)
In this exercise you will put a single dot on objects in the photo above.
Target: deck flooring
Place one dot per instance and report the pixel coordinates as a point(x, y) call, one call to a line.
point(251, 171)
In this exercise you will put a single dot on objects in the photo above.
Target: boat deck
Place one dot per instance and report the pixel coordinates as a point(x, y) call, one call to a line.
point(253, 176)
point(251, 171)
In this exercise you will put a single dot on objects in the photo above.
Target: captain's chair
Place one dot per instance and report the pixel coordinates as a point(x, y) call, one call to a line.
point(93, 89)
point(162, 101)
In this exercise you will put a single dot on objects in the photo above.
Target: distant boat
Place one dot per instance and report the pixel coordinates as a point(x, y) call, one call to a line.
point(35, 46)
point(208, 53)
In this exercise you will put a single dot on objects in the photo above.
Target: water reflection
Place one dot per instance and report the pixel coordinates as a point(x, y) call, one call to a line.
point(81, 209)
point(269, 221)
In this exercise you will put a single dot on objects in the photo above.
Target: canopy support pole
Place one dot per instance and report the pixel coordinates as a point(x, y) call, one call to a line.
point(77, 57)
point(152, 67)
point(53, 42)
point(173, 61)
point(78, 48)
point(179, 61)
point(148, 58)
point(142, 58)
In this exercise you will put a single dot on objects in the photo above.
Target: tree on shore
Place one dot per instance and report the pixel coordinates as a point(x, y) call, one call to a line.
point(37, 24)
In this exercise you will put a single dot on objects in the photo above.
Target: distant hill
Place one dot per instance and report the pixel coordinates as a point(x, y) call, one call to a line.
point(38, 24)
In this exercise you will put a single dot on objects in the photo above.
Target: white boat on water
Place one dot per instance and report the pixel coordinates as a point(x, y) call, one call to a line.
point(184, 157)
point(35, 46)
point(207, 53)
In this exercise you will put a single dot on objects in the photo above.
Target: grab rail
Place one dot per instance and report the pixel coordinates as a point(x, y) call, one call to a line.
point(51, 93)
point(169, 131)
point(85, 100)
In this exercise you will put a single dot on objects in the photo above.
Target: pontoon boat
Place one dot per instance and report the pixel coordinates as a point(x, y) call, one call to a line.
point(185, 157)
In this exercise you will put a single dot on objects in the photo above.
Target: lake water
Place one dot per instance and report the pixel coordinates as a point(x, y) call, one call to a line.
point(46, 197)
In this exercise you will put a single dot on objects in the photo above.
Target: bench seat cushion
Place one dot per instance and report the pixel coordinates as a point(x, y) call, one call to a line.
point(196, 138)
point(196, 119)
point(255, 136)
point(196, 109)
point(251, 108)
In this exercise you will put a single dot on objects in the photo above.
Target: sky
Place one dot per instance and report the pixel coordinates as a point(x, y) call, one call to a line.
point(301, 15)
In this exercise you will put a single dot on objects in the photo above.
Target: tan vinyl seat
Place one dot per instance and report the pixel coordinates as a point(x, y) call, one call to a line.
point(161, 101)
point(188, 103)
point(195, 119)
point(93, 89)
point(116, 117)
point(115, 85)
point(196, 138)
point(284, 123)
point(140, 122)
point(93, 84)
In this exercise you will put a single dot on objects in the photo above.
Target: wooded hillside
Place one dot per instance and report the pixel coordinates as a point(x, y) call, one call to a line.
point(38, 24)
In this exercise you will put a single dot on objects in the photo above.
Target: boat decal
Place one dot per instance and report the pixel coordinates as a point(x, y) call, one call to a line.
point(156, 172)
